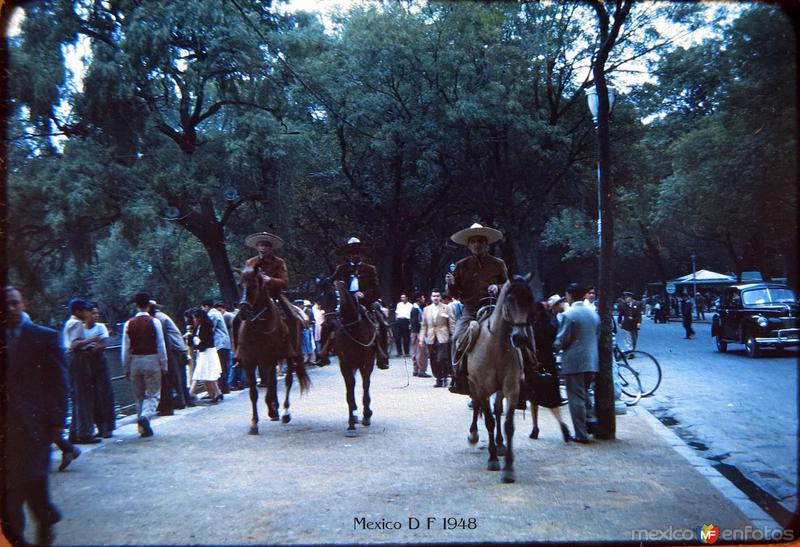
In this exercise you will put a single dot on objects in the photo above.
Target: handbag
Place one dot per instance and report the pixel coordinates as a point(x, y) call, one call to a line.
point(545, 388)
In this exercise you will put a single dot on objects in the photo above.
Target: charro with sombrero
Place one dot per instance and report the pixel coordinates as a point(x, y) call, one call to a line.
point(361, 280)
point(476, 277)
point(275, 274)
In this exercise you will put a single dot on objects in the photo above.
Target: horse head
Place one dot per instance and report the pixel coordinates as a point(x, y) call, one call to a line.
point(348, 305)
point(254, 293)
point(515, 306)
point(326, 293)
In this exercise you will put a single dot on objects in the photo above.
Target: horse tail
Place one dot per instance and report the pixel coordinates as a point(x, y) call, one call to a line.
point(302, 376)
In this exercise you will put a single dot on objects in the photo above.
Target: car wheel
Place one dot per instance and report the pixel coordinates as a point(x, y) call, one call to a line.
point(722, 345)
point(752, 347)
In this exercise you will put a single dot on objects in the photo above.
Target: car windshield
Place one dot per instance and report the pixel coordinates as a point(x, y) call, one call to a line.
point(768, 296)
point(782, 296)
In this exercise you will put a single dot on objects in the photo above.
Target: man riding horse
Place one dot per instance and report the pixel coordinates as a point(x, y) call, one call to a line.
point(476, 277)
point(274, 273)
point(361, 280)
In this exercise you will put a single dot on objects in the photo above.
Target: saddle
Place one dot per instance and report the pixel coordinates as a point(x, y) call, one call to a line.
point(469, 336)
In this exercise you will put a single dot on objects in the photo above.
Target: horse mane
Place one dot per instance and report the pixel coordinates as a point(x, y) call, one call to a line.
point(250, 279)
point(516, 283)
point(501, 300)
point(347, 304)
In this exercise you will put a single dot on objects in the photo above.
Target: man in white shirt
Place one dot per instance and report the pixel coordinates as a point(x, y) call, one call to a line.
point(144, 359)
point(402, 313)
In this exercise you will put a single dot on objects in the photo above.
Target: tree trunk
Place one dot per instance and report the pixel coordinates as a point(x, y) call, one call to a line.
point(528, 260)
point(205, 226)
point(218, 253)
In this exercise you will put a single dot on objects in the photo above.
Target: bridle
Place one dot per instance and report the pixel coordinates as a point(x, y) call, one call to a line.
point(256, 317)
point(344, 326)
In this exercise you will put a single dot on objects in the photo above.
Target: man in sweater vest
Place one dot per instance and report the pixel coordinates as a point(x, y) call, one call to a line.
point(144, 358)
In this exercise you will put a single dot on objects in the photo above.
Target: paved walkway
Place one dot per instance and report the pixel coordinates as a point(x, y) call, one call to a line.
point(202, 480)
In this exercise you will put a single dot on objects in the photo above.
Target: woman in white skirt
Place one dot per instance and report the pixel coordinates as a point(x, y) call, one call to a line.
point(208, 368)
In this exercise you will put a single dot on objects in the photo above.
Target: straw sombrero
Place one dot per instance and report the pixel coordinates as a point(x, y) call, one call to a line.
point(462, 236)
point(353, 245)
point(254, 239)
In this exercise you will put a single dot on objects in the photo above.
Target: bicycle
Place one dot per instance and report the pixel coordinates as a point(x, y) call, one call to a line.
point(641, 380)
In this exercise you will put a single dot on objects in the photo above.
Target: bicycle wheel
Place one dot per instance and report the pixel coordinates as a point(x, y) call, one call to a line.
point(629, 383)
point(647, 369)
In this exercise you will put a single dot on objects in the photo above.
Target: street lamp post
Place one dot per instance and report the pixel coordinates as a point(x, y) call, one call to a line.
point(600, 99)
point(694, 275)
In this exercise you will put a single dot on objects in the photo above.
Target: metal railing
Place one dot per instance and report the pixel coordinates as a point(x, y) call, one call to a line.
point(123, 395)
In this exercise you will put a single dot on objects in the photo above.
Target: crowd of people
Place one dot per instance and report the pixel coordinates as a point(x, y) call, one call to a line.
point(170, 366)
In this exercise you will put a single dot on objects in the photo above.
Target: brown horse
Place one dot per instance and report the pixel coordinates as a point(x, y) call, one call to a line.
point(494, 365)
point(355, 340)
point(262, 339)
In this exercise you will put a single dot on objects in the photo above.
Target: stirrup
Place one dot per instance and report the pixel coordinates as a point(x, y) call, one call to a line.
point(459, 386)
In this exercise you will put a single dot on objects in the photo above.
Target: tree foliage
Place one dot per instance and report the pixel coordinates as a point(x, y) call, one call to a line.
point(193, 124)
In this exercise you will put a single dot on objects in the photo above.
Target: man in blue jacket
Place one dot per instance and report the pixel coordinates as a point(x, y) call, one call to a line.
point(35, 412)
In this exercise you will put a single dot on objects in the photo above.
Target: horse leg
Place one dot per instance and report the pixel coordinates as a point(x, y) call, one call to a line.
point(473, 428)
point(488, 417)
point(498, 412)
point(366, 376)
point(287, 417)
point(271, 398)
point(350, 384)
point(508, 469)
point(251, 379)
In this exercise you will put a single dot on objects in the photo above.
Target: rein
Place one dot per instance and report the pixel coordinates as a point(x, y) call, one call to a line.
point(343, 327)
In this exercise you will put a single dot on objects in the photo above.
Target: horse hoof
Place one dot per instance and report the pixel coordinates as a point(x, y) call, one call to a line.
point(366, 421)
point(501, 450)
point(473, 438)
point(253, 431)
point(494, 465)
point(286, 418)
point(508, 476)
point(351, 432)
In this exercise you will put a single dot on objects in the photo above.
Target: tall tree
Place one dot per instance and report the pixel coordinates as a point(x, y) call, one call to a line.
point(159, 73)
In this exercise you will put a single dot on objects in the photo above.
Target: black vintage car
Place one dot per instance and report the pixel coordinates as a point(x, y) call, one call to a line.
point(757, 315)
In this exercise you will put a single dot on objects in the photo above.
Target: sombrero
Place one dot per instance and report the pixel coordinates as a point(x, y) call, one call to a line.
point(462, 236)
point(353, 245)
point(254, 239)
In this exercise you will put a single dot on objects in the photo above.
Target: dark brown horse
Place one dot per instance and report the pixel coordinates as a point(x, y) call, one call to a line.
point(355, 340)
point(263, 339)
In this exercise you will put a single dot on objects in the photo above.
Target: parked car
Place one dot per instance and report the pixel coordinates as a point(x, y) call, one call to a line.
point(757, 315)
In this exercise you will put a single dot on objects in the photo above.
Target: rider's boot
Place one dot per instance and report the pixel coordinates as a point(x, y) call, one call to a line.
point(322, 356)
point(460, 385)
point(381, 353)
point(381, 356)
